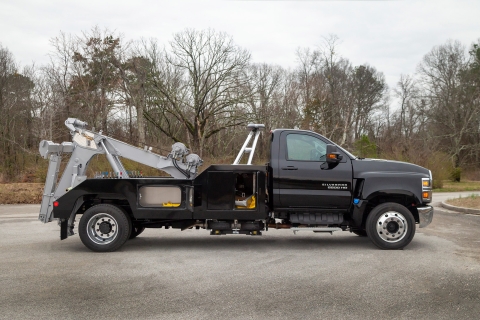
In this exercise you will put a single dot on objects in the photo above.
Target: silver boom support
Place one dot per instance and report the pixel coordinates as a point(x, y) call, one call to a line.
point(179, 163)
point(255, 130)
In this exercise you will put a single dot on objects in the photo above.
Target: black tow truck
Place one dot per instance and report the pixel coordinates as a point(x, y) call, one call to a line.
point(309, 184)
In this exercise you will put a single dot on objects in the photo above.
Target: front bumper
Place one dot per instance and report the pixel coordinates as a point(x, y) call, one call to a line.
point(425, 216)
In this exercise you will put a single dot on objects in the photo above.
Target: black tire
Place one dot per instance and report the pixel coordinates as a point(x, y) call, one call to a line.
point(360, 233)
point(136, 230)
point(104, 228)
point(390, 226)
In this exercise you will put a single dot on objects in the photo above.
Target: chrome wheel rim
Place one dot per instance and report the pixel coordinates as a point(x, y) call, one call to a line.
point(392, 226)
point(102, 228)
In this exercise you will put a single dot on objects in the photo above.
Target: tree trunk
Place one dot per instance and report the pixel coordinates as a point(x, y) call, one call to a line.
point(141, 122)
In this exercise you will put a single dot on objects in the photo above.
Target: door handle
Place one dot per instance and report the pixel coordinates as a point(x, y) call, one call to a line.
point(289, 168)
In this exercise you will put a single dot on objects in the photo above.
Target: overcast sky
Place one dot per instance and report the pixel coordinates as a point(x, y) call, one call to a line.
point(392, 36)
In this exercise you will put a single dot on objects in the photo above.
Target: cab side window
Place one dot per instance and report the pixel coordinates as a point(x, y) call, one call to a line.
point(303, 147)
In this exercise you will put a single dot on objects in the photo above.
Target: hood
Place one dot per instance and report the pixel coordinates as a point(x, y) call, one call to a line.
point(380, 165)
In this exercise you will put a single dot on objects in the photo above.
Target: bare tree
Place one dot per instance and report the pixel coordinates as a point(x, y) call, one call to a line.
point(134, 72)
point(262, 90)
point(198, 81)
point(326, 80)
point(370, 90)
point(410, 100)
point(309, 62)
point(440, 72)
point(17, 112)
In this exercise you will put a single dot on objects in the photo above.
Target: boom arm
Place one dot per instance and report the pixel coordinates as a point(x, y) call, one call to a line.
point(179, 163)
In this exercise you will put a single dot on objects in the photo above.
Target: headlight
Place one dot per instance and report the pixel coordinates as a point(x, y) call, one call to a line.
point(427, 188)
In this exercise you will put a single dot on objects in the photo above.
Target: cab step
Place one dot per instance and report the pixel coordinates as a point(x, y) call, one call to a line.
point(315, 229)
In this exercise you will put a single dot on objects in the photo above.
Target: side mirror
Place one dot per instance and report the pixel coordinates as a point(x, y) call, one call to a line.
point(333, 156)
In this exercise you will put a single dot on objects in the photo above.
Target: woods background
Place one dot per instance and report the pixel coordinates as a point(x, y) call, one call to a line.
point(201, 88)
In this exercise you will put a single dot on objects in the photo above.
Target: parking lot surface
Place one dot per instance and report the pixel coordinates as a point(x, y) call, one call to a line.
point(172, 274)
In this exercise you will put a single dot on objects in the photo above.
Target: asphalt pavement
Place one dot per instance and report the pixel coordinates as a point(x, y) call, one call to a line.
point(172, 274)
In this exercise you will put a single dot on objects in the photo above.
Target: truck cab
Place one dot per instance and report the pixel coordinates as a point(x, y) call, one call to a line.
point(313, 181)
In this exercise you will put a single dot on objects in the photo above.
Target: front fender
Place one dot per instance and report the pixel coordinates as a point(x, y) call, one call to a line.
point(378, 187)
point(404, 197)
point(392, 183)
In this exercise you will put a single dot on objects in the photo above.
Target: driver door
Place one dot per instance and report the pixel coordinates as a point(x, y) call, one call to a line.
point(302, 181)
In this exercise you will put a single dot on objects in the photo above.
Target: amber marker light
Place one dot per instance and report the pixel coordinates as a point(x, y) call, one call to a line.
point(332, 156)
point(426, 195)
point(426, 183)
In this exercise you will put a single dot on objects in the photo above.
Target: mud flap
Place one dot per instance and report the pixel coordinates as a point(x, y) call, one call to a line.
point(63, 229)
point(358, 212)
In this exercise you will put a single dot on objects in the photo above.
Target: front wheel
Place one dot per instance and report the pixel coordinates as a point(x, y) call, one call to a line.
point(390, 226)
point(104, 228)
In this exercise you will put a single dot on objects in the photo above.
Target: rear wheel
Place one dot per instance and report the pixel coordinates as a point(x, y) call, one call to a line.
point(104, 228)
point(390, 226)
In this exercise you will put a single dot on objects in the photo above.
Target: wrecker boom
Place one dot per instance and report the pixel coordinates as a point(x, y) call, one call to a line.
point(86, 144)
